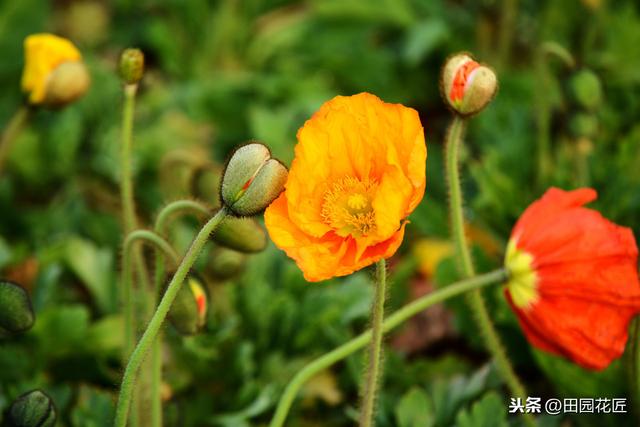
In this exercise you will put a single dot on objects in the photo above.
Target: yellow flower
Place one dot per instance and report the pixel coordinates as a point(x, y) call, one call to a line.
point(54, 73)
point(358, 172)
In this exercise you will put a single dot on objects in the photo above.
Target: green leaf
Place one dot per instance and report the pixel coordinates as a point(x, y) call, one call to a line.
point(94, 266)
point(414, 409)
point(489, 411)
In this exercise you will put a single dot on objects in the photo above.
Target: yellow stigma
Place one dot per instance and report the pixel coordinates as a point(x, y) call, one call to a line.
point(347, 207)
point(523, 280)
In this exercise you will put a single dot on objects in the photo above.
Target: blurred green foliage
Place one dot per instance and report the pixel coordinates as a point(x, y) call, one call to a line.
point(222, 72)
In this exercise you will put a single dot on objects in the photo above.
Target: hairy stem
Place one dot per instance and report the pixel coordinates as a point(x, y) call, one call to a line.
point(129, 223)
point(359, 342)
point(161, 225)
point(373, 374)
point(11, 132)
point(465, 264)
point(150, 334)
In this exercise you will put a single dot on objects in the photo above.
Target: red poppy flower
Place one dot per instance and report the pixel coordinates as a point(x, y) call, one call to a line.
point(574, 279)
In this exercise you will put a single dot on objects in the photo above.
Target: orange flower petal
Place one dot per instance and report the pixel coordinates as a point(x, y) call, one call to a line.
point(358, 172)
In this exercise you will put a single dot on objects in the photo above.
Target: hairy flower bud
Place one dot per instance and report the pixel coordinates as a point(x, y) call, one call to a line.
point(467, 86)
point(241, 234)
point(131, 65)
point(586, 90)
point(54, 74)
point(16, 314)
point(188, 312)
point(251, 180)
point(32, 409)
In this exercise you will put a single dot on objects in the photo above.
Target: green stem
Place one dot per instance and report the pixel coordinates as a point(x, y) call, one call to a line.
point(359, 342)
point(11, 132)
point(191, 206)
point(161, 225)
point(373, 374)
point(132, 238)
point(463, 256)
point(150, 334)
point(130, 224)
point(508, 14)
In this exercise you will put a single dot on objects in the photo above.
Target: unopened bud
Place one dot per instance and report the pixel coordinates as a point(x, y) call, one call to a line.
point(32, 409)
point(188, 313)
point(586, 89)
point(583, 125)
point(226, 263)
point(131, 65)
point(16, 314)
point(67, 83)
point(252, 180)
point(241, 234)
point(467, 86)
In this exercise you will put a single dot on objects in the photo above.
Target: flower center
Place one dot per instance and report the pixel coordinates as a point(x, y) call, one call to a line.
point(347, 207)
point(523, 279)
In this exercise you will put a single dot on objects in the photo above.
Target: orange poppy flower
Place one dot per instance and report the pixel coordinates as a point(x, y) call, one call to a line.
point(359, 170)
point(574, 280)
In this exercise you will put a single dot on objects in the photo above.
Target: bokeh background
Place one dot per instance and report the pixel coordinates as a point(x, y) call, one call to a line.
point(222, 72)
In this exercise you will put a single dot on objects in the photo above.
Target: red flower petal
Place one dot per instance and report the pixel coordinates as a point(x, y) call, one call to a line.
point(586, 279)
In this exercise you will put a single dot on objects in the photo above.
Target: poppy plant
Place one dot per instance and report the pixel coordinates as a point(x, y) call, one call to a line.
point(358, 172)
point(574, 280)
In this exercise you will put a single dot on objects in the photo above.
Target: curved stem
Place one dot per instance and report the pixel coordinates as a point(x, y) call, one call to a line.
point(172, 208)
point(359, 342)
point(150, 334)
point(167, 213)
point(373, 374)
point(465, 264)
point(11, 132)
point(552, 48)
point(132, 238)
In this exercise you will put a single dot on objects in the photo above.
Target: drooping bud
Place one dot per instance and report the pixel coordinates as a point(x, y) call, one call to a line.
point(16, 314)
point(583, 125)
point(54, 74)
point(251, 180)
point(586, 89)
point(241, 234)
point(32, 409)
point(188, 312)
point(131, 65)
point(225, 263)
point(466, 85)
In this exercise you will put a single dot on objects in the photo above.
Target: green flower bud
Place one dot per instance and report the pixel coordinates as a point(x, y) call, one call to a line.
point(16, 314)
point(252, 180)
point(225, 263)
point(466, 85)
point(188, 313)
point(586, 90)
point(68, 82)
point(583, 125)
point(241, 234)
point(32, 409)
point(131, 66)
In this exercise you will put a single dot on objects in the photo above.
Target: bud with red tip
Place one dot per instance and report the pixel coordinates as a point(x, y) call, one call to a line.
point(467, 86)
